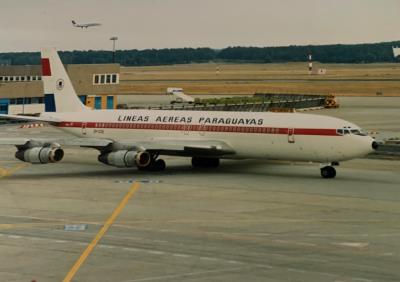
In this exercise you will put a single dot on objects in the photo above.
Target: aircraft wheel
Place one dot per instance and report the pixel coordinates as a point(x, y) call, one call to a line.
point(328, 172)
point(159, 165)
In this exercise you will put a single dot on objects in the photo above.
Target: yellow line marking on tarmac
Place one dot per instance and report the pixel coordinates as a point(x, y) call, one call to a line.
point(4, 172)
point(101, 233)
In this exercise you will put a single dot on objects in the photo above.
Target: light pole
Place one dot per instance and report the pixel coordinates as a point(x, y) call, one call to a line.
point(114, 38)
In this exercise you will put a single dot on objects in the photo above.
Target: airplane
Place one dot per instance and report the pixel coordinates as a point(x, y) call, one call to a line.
point(84, 25)
point(137, 137)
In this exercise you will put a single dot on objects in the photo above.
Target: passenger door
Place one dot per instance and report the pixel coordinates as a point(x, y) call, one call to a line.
point(291, 135)
point(84, 128)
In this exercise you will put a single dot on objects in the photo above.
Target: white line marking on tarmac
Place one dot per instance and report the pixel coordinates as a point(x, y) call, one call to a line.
point(208, 258)
point(181, 255)
point(265, 266)
point(14, 236)
point(107, 246)
point(156, 252)
point(352, 244)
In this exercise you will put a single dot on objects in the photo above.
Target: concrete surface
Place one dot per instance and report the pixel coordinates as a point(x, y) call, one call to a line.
point(245, 221)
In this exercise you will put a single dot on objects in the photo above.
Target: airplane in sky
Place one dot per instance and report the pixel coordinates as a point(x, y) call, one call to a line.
point(138, 137)
point(84, 25)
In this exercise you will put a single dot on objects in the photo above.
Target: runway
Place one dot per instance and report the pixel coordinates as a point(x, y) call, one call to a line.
point(245, 221)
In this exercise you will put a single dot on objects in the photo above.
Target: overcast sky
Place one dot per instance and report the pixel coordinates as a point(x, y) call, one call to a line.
point(140, 24)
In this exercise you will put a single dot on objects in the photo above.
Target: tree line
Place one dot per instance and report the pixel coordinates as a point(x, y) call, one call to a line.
point(338, 53)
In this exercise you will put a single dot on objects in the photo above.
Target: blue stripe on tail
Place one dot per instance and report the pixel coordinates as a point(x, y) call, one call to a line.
point(49, 103)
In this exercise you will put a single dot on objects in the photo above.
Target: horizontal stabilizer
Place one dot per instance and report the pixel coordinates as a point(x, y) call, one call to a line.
point(29, 118)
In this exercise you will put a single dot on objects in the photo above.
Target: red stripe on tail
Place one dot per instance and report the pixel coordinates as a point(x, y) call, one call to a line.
point(46, 71)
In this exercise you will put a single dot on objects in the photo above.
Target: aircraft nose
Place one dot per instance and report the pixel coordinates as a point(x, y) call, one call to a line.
point(374, 145)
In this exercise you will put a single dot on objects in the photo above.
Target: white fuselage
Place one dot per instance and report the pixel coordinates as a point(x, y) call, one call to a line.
point(282, 136)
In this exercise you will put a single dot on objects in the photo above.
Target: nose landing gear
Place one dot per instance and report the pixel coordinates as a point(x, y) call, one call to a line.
point(328, 172)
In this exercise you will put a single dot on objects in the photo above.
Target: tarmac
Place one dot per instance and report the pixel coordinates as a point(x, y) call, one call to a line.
point(245, 221)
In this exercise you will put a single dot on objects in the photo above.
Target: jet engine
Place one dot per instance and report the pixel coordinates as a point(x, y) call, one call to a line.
point(125, 158)
point(40, 155)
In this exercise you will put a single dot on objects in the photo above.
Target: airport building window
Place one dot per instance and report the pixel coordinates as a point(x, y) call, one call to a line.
point(19, 78)
point(107, 78)
point(26, 101)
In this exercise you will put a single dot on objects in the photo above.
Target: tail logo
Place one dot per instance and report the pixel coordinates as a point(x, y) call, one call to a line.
point(60, 84)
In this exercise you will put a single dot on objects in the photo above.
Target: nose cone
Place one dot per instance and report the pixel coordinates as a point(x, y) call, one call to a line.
point(364, 146)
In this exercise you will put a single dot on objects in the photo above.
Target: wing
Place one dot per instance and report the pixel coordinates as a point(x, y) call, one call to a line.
point(160, 147)
point(83, 142)
point(188, 147)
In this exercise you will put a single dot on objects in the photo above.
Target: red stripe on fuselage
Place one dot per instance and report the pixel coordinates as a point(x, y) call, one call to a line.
point(201, 128)
point(46, 70)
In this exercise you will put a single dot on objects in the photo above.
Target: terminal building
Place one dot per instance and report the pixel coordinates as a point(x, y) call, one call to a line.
point(21, 88)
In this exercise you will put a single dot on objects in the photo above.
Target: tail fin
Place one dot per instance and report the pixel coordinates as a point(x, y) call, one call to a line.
point(73, 23)
point(59, 94)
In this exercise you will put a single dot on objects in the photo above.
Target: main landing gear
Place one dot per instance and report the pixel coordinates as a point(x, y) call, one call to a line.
point(155, 164)
point(200, 162)
point(328, 171)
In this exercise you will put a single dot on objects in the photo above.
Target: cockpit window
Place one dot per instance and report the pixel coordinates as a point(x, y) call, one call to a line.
point(347, 131)
point(358, 132)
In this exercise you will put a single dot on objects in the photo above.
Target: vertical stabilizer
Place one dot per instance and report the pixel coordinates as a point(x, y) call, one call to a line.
point(59, 94)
